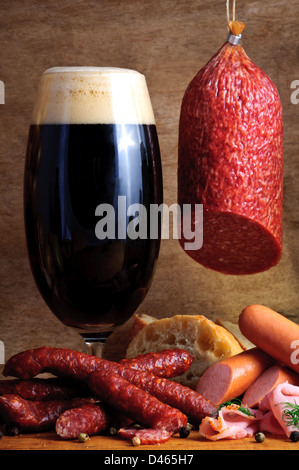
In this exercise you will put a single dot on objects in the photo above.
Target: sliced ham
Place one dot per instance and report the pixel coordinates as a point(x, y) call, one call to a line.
point(270, 424)
point(276, 402)
point(231, 423)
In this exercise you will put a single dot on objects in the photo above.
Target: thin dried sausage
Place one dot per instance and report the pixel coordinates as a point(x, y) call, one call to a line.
point(135, 403)
point(191, 403)
point(168, 363)
point(35, 416)
point(43, 389)
point(78, 365)
point(74, 364)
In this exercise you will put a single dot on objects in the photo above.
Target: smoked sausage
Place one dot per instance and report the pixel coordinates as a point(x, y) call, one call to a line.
point(168, 363)
point(273, 333)
point(230, 378)
point(43, 389)
point(79, 366)
point(35, 416)
point(69, 363)
point(191, 403)
point(266, 382)
point(135, 403)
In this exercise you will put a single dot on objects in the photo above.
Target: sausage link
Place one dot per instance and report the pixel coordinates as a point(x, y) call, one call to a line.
point(58, 361)
point(188, 401)
point(74, 364)
point(168, 363)
point(35, 416)
point(78, 365)
point(43, 389)
point(135, 403)
point(90, 419)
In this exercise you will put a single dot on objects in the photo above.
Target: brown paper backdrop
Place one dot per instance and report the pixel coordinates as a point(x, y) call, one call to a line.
point(168, 41)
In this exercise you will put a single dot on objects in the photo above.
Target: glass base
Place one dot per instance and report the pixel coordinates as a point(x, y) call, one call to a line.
point(95, 343)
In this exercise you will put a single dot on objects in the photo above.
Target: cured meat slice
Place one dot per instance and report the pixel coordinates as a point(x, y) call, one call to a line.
point(231, 423)
point(230, 160)
point(90, 419)
point(282, 401)
point(145, 436)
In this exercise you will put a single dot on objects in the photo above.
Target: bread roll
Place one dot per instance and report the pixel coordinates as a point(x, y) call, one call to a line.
point(206, 341)
point(139, 322)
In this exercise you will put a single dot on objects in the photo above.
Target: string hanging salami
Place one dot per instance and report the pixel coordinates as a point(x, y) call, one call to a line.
point(230, 160)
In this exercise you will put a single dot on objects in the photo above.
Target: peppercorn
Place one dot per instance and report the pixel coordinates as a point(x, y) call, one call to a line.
point(259, 437)
point(136, 441)
point(294, 436)
point(11, 429)
point(112, 431)
point(82, 437)
point(184, 432)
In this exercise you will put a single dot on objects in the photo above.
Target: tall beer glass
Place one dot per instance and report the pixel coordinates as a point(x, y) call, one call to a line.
point(92, 169)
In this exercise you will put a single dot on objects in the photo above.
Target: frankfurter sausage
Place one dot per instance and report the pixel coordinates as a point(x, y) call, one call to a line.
point(273, 333)
point(266, 382)
point(35, 416)
point(134, 402)
point(230, 378)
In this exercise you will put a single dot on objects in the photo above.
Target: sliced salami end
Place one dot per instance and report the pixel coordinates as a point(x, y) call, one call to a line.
point(234, 244)
point(145, 436)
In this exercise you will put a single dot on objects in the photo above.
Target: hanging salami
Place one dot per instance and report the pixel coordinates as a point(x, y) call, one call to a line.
point(230, 160)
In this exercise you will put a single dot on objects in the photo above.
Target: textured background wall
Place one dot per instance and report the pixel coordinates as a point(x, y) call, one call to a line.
point(168, 41)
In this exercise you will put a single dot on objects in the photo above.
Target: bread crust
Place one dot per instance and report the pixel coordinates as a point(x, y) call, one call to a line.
point(206, 341)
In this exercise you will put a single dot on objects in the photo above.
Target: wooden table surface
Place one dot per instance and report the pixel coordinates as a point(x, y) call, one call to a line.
point(50, 441)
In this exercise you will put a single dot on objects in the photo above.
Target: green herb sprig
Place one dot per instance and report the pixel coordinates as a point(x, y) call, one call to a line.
point(237, 402)
point(290, 415)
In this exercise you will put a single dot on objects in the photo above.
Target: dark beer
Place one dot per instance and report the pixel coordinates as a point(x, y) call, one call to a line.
point(72, 168)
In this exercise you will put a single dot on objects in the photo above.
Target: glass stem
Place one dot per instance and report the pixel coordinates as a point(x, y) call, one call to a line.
point(95, 348)
point(95, 343)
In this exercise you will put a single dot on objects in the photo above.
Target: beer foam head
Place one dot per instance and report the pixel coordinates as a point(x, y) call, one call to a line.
point(92, 95)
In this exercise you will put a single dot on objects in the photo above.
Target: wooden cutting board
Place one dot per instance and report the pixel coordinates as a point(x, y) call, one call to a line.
point(50, 441)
